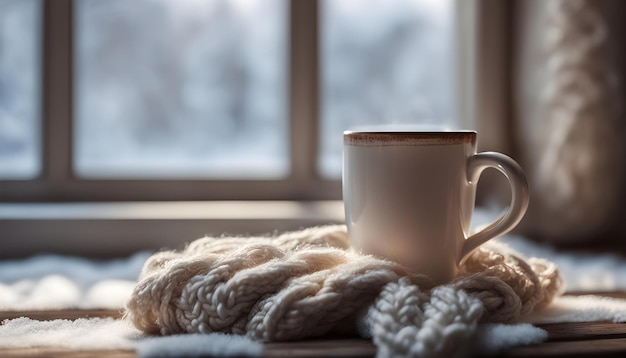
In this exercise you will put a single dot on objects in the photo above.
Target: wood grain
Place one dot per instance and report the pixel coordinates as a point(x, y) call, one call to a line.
point(345, 347)
point(584, 331)
point(593, 348)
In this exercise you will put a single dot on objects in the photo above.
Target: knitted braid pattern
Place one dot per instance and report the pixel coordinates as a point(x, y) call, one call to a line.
point(303, 284)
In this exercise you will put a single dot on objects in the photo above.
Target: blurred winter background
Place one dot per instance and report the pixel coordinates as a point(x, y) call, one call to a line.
point(193, 88)
point(388, 62)
point(20, 28)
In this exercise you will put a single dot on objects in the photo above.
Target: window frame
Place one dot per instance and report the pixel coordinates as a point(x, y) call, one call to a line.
point(57, 212)
point(58, 183)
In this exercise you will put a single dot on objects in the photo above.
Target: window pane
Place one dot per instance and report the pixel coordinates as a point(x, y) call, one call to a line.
point(19, 88)
point(390, 62)
point(175, 88)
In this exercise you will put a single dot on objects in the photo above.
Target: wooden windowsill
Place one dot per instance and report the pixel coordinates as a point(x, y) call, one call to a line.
point(121, 228)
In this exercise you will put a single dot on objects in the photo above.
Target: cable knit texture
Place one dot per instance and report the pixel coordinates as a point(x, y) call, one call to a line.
point(305, 283)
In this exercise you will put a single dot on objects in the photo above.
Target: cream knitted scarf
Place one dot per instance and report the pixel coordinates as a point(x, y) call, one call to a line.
point(305, 283)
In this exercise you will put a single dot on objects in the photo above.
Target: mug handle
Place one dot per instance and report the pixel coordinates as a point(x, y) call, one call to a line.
point(519, 198)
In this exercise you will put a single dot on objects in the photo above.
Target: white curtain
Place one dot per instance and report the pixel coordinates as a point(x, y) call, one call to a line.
point(565, 109)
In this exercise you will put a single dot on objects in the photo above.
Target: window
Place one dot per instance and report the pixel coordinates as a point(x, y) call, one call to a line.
point(390, 62)
point(215, 99)
point(180, 89)
point(125, 102)
point(19, 88)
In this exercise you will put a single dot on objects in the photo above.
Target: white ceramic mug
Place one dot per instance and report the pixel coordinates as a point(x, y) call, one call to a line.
point(409, 197)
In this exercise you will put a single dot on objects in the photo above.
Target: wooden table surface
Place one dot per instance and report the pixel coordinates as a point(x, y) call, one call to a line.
point(597, 339)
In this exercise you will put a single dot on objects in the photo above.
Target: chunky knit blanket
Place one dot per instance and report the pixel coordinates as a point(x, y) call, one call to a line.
point(306, 283)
